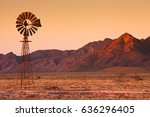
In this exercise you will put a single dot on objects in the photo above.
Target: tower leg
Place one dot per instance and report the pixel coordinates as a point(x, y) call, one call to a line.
point(25, 66)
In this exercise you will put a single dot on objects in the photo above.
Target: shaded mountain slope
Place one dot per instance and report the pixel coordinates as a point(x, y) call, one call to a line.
point(125, 51)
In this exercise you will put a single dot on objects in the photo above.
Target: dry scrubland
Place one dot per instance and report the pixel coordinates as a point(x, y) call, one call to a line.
point(78, 85)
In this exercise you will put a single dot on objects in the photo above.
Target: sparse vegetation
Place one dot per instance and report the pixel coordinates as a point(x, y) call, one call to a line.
point(78, 85)
point(38, 77)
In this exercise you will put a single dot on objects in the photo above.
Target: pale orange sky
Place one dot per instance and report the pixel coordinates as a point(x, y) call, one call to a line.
point(70, 24)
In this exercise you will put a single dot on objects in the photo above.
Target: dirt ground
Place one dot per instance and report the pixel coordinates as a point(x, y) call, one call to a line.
point(76, 86)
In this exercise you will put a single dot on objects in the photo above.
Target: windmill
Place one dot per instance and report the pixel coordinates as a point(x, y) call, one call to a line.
point(27, 24)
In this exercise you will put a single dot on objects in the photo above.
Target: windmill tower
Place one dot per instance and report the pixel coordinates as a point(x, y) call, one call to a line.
point(27, 24)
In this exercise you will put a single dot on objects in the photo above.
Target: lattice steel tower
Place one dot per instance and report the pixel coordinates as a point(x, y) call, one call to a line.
point(27, 24)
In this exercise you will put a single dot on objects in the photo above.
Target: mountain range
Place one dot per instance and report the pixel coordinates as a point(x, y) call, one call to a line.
point(125, 51)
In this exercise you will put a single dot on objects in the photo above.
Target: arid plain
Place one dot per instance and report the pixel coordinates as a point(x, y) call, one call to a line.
point(113, 83)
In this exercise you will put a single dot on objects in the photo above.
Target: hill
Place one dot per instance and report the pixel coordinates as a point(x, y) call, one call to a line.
point(124, 51)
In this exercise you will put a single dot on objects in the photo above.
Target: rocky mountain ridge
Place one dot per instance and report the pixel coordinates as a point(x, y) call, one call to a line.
point(125, 51)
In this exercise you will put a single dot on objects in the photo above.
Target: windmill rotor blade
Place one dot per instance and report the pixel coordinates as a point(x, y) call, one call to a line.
point(19, 22)
point(20, 19)
point(29, 16)
point(32, 17)
point(19, 25)
point(20, 28)
point(34, 28)
point(30, 31)
point(26, 14)
point(21, 16)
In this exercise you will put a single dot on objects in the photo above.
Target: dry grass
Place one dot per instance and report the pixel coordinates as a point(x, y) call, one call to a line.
point(78, 85)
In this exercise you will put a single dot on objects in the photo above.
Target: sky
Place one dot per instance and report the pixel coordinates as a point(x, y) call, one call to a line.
point(70, 24)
